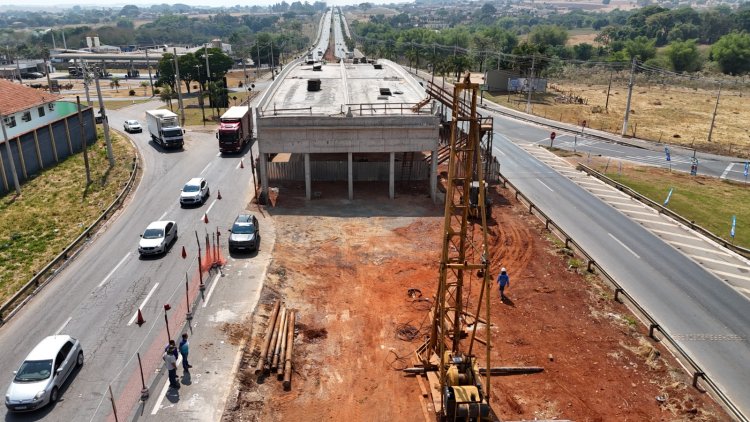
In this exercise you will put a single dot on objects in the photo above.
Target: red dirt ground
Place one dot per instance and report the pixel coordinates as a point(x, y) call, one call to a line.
point(346, 267)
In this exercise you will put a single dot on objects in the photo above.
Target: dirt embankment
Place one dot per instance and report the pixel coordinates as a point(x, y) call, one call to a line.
point(347, 268)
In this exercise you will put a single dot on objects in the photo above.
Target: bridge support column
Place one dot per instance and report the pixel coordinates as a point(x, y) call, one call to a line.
point(391, 174)
point(308, 182)
point(433, 175)
point(263, 170)
point(350, 175)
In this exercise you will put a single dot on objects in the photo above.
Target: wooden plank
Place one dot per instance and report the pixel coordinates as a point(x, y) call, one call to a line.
point(434, 381)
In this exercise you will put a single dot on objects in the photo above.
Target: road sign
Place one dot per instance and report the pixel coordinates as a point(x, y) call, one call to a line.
point(734, 223)
point(553, 134)
point(669, 195)
point(666, 151)
point(583, 123)
point(747, 167)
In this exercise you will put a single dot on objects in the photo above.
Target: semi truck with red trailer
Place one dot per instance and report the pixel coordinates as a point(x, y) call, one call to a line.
point(235, 129)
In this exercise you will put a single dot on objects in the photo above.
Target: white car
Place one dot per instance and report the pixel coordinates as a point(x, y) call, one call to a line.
point(157, 238)
point(194, 192)
point(41, 375)
point(131, 126)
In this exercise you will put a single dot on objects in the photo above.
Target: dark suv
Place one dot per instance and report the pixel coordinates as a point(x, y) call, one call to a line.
point(244, 233)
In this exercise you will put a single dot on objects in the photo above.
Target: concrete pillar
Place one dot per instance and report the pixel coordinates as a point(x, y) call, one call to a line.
point(433, 175)
point(351, 175)
point(308, 182)
point(263, 169)
point(391, 174)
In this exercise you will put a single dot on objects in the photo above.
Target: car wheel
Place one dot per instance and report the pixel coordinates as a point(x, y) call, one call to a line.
point(79, 362)
point(53, 395)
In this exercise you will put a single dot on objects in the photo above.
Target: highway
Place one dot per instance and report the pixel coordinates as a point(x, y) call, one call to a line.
point(95, 299)
point(340, 42)
point(323, 36)
point(706, 316)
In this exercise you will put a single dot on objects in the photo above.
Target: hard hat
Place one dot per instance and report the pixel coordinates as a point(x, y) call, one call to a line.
point(502, 270)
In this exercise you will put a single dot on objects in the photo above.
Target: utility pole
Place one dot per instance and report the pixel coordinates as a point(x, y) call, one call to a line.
point(272, 66)
point(86, 79)
point(630, 95)
point(150, 79)
point(531, 83)
point(208, 78)
point(713, 119)
point(6, 141)
point(53, 39)
point(65, 44)
point(608, 88)
point(178, 83)
point(105, 123)
point(84, 147)
point(257, 65)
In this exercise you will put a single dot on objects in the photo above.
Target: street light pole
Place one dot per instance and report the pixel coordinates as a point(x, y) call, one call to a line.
point(178, 83)
point(200, 96)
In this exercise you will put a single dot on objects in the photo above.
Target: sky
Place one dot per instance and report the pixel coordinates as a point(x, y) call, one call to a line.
point(213, 3)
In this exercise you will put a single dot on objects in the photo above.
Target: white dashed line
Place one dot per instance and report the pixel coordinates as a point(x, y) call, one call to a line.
point(161, 397)
point(148, 296)
point(545, 185)
point(114, 269)
point(623, 245)
point(63, 326)
point(205, 168)
point(726, 171)
point(211, 290)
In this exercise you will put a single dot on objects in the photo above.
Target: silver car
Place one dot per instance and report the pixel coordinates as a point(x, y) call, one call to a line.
point(43, 372)
point(131, 126)
point(245, 233)
point(195, 192)
point(157, 238)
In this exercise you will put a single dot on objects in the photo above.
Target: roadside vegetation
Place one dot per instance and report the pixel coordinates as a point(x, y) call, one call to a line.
point(707, 201)
point(56, 207)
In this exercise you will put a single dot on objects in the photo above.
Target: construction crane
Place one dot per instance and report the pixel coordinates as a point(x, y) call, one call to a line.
point(459, 392)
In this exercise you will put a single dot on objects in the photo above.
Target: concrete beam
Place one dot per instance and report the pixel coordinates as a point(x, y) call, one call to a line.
point(351, 176)
point(308, 178)
point(391, 175)
point(263, 164)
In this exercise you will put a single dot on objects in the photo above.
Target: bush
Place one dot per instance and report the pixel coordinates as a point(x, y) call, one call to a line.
point(131, 92)
point(157, 91)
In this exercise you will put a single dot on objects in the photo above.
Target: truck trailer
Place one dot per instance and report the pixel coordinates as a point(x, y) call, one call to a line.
point(235, 129)
point(164, 127)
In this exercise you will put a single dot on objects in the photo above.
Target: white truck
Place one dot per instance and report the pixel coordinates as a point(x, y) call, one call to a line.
point(164, 127)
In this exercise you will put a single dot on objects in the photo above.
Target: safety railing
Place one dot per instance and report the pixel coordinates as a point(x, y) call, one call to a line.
point(592, 266)
point(10, 307)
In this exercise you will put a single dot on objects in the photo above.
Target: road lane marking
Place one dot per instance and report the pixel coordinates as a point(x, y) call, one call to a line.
point(162, 216)
point(211, 206)
point(623, 245)
point(205, 168)
point(211, 289)
point(645, 220)
point(161, 397)
point(731, 275)
point(545, 185)
point(63, 326)
point(687, 245)
point(148, 296)
point(721, 262)
point(673, 234)
point(628, 212)
point(726, 171)
point(113, 270)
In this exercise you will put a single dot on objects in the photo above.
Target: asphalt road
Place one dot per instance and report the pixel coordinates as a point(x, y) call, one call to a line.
point(707, 317)
point(96, 297)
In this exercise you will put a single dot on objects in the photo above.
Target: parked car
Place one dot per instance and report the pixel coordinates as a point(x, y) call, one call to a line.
point(131, 126)
point(41, 375)
point(34, 75)
point(157, 238)
point(245, 233)
point(194, 192)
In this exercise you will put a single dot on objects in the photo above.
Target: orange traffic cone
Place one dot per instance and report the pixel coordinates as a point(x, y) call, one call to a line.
point(218, 196)
point(242, 164)
point(184, 254)
point(205, 218)
point(140, 320)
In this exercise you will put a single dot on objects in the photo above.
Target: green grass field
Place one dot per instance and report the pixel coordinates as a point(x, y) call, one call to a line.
point(56, 207)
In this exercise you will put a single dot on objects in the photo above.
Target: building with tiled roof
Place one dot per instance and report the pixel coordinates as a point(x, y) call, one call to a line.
point(25, 109)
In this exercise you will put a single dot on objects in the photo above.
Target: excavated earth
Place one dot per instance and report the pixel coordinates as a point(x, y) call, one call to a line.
point(347, 268)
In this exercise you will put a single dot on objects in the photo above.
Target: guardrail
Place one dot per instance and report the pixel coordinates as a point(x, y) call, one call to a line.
point(664, 210)
point(43, 276)
point(653, 325)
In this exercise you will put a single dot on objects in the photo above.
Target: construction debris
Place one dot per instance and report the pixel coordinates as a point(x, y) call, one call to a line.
point(278, 344)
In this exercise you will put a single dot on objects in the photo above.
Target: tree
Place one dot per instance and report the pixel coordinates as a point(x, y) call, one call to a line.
point(166, 95)
point(641, 48)
point(732, 53)
point(166, 71)
point(130, 11)
point(684, 56)
point(548, 36)
point(144, 85)
point(114, 82)
point(583, 51)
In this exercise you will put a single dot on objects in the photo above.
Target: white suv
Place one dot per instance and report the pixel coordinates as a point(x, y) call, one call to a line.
point(194, 192)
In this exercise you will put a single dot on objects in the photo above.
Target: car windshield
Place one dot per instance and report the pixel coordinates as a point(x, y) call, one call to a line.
point(191, 188)
point(34, 370)
point(243, 229)
point(172, 132)
point(153, 234)
point(132, 122)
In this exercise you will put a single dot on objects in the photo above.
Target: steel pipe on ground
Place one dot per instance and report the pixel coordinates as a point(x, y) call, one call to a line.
point(289, 350)
point(267, 341)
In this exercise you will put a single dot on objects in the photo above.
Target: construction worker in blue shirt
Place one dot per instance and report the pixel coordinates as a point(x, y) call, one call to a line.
point(503, 281)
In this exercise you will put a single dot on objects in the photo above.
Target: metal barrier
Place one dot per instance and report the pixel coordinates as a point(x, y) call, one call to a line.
point(592, 266)
point(42, 277)
point(664, 210)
